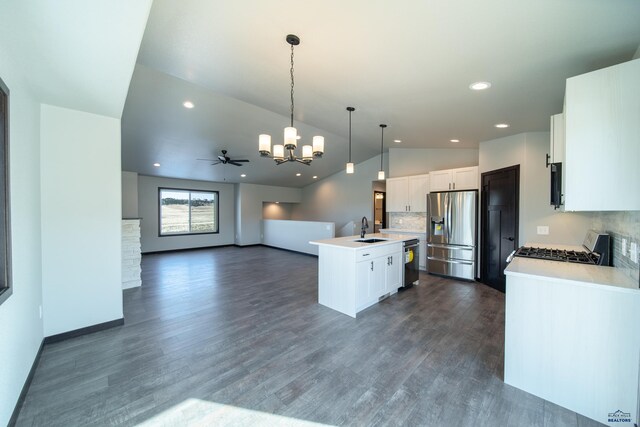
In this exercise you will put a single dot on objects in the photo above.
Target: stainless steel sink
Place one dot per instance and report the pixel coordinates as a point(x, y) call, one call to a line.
point(370, 240)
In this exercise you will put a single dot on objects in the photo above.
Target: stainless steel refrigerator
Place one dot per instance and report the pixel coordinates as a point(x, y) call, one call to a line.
point(452, 233)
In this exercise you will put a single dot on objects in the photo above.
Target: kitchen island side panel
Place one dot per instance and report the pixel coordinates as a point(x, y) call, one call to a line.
point(576, 346)
point(337, 279)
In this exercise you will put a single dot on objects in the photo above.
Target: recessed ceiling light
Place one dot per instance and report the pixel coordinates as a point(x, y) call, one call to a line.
point(315, 176)
point(277, 203)
point(502, 125)
point(188, 104)
point(243, 175)
point(397, 141)
point(454, 140)
point(156, 165)
point(298, 174)
point(479, 85)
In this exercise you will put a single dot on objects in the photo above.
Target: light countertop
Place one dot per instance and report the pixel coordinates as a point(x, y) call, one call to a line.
point(350, 243)
point(403, 230)
point(583, 274)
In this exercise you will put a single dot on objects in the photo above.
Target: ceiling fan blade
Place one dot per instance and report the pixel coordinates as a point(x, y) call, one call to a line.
point(209, 160)
point(216, 162)
point(222, 158)
point(241, 161)
point(233, 162)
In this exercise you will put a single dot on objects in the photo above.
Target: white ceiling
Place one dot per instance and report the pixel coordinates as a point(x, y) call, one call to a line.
point(78, 54)
point(404, 63)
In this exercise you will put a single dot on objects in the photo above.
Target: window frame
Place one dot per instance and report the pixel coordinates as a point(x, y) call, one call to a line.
point(6, 286)
point(189, 190)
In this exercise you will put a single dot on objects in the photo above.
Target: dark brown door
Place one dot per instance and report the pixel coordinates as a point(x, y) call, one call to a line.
point(499, 223)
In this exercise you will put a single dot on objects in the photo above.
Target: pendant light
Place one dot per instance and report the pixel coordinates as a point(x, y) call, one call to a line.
point(350, 165)
point(381, 171)
point(283, 153)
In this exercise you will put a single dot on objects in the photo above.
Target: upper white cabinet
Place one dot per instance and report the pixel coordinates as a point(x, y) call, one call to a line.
point(556, 149)
point(602, 139)
point(454, 179)
point(407, 193)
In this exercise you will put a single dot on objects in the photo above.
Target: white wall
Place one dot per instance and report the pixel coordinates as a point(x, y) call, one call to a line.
point(416, 161)
point(148, 210)
point(81, 219)
point(273, 210)
point(341, 198)
point(296, 235)
point(21, 331)
point(528, 150)
point(249, 200)
point(129, 194)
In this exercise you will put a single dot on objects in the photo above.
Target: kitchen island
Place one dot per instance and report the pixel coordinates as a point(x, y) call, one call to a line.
point(572, 337)
point(354, 275)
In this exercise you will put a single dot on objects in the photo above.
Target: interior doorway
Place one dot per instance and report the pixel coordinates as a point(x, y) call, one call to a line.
point(499, 233)
point(379, 210)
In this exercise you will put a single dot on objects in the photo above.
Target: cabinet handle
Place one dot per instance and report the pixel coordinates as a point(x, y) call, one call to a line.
point(371, 265)
point(449, 186)
point(390, 260)
point(365, 254)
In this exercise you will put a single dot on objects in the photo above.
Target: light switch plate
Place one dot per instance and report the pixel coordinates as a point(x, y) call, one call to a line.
point(543, 230)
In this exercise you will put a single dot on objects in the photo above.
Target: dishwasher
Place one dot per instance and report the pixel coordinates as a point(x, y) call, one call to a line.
point(411, 270)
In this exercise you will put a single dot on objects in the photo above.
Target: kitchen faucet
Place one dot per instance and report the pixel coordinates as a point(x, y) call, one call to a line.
point(365, 225)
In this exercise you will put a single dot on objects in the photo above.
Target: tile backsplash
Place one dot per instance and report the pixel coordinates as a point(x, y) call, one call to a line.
point(620, 225)
point(408, 220)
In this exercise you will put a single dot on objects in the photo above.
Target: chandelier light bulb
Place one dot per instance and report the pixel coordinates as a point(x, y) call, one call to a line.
point(278, 151)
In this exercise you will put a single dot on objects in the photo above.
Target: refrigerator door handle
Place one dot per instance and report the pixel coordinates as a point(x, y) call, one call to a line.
point(450, 223)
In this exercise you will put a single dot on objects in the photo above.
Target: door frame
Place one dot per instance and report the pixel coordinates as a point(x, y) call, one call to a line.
point(483, 205)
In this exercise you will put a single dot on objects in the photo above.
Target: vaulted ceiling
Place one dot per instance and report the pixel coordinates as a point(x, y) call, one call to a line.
point(406, 63)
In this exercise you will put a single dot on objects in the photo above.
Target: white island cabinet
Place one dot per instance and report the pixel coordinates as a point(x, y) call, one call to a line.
point(353, 276)
point(572, 337)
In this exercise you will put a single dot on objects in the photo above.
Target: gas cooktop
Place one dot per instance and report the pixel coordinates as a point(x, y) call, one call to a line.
point(581, 257)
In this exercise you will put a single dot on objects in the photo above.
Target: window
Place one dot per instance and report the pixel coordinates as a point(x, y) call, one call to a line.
point(187, 211)
point(5, 238)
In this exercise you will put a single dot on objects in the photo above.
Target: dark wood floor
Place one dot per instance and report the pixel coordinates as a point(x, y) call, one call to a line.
point(234, 336)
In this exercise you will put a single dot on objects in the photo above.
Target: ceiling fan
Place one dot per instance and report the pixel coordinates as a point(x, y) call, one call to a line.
point(224, 159)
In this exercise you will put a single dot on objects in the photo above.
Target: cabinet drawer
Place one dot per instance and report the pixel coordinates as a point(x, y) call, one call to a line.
point(377, 251)
point(451, 252)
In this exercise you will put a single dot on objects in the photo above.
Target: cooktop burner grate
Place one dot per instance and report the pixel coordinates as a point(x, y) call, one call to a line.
point(580, 257)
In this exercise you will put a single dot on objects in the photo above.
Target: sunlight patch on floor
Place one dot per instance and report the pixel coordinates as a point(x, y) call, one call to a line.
point(196, 412)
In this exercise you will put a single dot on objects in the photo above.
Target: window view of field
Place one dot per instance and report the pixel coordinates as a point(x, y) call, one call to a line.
point(187, 212)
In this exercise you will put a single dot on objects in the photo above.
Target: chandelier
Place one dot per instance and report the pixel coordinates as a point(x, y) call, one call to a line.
point(290, 133)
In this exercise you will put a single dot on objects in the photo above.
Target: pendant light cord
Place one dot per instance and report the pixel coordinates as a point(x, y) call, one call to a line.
point(349, 136)
point(292, 85)
point(381, 144)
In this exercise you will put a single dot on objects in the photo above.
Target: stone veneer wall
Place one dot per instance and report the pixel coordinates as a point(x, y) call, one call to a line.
point(620, 225)
point(408, 220)
point(131, 256)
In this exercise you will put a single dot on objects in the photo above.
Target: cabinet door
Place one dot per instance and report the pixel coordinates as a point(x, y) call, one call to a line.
point(397, 195)
point(440, 181)
point(602, 139)
point(465, 178)
point(418, 188)
point(557, 138)
point(393, 276)
point(364, 275)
